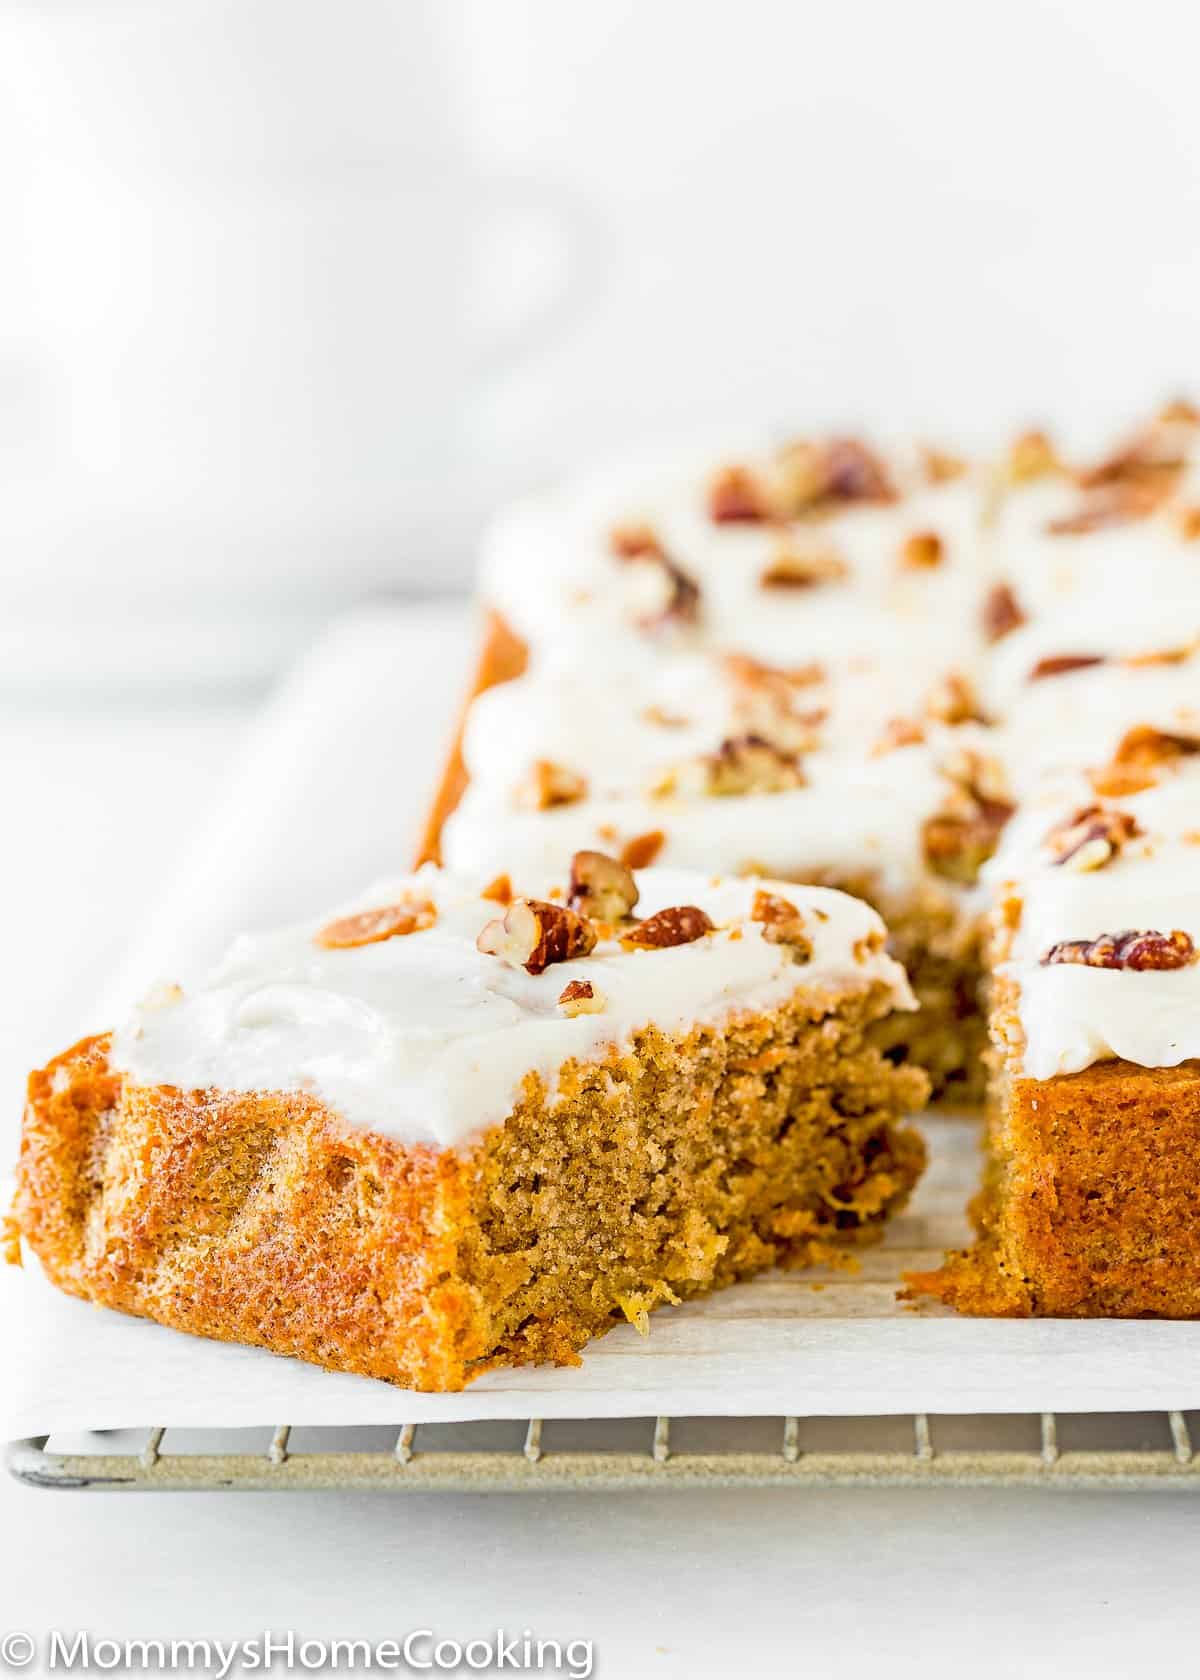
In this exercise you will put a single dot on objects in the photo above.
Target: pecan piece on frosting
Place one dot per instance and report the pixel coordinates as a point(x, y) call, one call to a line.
point(640, 850)
point(1061, 664)
point(580, 997)
point(959, 838)
point(939, 467)
point(532, 934)
point(601, 888)
point(370, 927)
point(1146, 747)
point(1002, 612)
point(782, 923)
point(803, 567)
point(735, 496)
point(1032, 456)
point(750, 764)
point(749, 673)
point(1091, 838)
point(548, 784)
point(1112, 504)
point(682, 924)
point(499, 890)
point(898, 732)
point(922, 551)
point(666, 594)
point(953, 700)
point(1130, 949)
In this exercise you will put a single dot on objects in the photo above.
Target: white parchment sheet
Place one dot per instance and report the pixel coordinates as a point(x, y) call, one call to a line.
point(328, 794)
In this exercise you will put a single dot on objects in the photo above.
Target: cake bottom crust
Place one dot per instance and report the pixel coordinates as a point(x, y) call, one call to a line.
point(672, 1168)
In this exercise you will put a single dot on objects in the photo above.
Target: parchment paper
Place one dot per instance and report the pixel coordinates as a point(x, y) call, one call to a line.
point(329, 793)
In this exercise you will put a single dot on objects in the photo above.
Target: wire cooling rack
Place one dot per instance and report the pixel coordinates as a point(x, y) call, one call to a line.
point(1098, 1450)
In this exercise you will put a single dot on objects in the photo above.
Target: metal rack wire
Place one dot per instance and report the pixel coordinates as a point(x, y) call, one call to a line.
point(1049, 1451)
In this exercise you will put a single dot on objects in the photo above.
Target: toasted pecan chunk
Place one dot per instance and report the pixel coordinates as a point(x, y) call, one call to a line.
point(1002, 612)
point(682, 924)
point(640, 851)
point(635, 542)
point(746, 764)
point(1091, 838)
point(753, 673)
point(736, 496)
point(1188, 522)
point(1032, 456)
point(370, 927)
point(1179, 412)
point(1111, 505)
point(1146, 747)
point(601, 887)
point(1160, 656)
point(1130, 949)
point(580, 997)
point(962, 835)
point(782, 923)
point(1061, 664)
point(855, 473)
point(803, 567)
point(499, 890)
point(898, 732)
point(953, 700)
point(939, 467)
point(671, 595)
point(548, 784)
point(922, 551)
point(532, 934)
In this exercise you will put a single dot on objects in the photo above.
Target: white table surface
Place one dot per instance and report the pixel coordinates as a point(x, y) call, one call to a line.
point(100, 803)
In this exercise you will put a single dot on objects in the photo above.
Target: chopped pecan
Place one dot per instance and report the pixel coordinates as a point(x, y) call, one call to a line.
point(1091, 838)
point(665, 593)
point(898, 732)
point(682, 924)
point(1130, 949)
point(959, 838)
point(601, 887)
point(1060, 664)
point(1111, 505)
point(752, 673)
point(640, 851)
point(749, 764)
point(937, 467)
point(549, 784)
point(500, 891)
point(532, 934)
point(807, 567)
point(369, 927)
point(580, 997)
point(1152, 459)
point(1179, 412)
point(922, 551)
point(854, 473)
point(953, 700)
point(1001, 612)
point(1120, 781)
point(782, 923)
point(636, 542)
point(662, 719)
point(1160, 656)
point(1031, 456)
point(1146, 748)
point(735, 496)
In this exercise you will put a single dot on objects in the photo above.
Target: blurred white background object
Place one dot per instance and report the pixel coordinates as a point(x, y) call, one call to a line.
point(292, 294)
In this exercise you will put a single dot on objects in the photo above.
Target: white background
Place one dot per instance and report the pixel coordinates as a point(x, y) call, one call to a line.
point(290, 295)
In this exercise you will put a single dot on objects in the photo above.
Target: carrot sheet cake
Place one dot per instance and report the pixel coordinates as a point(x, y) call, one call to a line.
point(911, 676)
point(457, 1127)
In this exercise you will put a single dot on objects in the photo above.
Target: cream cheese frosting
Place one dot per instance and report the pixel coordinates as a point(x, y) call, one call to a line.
point(1100, 564)
point(425, 1038)
point(1072, 1015)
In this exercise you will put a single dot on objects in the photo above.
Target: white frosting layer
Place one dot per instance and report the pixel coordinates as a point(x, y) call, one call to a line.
point(1072, 1015)
point(1121, 590)
point(425, 1038)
